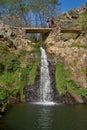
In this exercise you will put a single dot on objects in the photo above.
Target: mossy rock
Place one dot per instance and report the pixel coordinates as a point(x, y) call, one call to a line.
point(67, 36)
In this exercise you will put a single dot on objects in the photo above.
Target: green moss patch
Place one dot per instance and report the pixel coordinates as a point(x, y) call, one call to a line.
point(63, 82)
point(67, 36)
point(15, 72)
point(62, 74)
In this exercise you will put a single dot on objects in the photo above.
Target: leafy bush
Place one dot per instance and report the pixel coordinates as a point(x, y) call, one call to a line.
point(83, 22)
point(33, 73)
point(13, 76)
point(34, 67)
point(81, 91)
point(1, 68)
point(12, 64)
point(9, 85)
point(3, 93)
point(51, 44)
point(61, 77)
point(63, 82)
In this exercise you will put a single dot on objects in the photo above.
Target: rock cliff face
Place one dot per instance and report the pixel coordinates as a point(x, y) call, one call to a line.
point(70, 48)
point(14, 57)
point(13, 37)
point(69, 20)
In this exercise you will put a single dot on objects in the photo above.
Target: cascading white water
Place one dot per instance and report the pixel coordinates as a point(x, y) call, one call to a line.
point(45, 85)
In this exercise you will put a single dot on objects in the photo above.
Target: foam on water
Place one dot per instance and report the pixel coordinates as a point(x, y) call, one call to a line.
point(45, 103)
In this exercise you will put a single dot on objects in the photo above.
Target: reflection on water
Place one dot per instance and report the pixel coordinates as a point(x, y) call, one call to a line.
point(41, 117)
point(44, 120)
point(3, 126)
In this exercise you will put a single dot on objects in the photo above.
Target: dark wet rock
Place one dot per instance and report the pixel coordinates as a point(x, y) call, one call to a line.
point(14, 100)
point(1, 36)
point(2, 108)
point(67, 99)
point(84, 99)
point(78, 98)
point(31, 92)
point(55, 94)
point(3, 127)
point(0, 116)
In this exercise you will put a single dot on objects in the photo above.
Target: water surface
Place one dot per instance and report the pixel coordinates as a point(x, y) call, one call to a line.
point(41, 117)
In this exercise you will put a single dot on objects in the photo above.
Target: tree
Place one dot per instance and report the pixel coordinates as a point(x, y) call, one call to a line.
point(42, 9)
point(14, 7)
point(32, 12)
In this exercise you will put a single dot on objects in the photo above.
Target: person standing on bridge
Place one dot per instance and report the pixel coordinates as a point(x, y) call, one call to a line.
point(52, 22)
point(48, 22)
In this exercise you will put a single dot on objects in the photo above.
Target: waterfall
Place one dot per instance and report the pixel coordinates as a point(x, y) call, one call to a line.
point(42, 91)
point(45, 95)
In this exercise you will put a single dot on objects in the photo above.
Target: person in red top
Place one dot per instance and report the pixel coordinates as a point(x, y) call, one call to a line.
point(52, 23)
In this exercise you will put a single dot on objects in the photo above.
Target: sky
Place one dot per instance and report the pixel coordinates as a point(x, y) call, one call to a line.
point(71, 4)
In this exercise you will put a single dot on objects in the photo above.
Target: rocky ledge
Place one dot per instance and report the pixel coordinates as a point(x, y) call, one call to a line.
point(13, 36)
point(70, 48)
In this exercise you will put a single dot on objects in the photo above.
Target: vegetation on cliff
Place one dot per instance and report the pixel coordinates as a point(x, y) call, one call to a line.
point(71, 49)
point(18, 68)
point(28, 12)
point(64, 82)
point(35, 64)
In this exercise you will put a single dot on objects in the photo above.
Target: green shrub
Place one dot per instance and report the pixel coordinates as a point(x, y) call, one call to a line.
point(1, 68)
point(12, 64)
point(51, 44)
point(84, 21)
point(63, 82)
point(13, 76)
point(33, 70)
point(33, 73)
point(9, 84)
point(3, 93)
point(60, 77)
point(81, 91)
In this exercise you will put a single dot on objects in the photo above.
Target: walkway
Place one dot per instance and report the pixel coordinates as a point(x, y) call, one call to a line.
point(63, 30)
point(37, 30)
point(47, 30)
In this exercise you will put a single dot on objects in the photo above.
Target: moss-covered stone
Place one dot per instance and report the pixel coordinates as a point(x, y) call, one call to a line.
point(67, 36)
